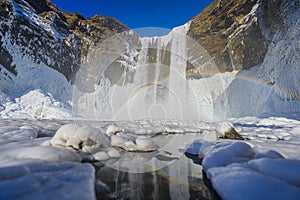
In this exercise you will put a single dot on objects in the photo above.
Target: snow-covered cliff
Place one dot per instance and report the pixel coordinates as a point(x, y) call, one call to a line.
point(42, 48)
point(271, 88)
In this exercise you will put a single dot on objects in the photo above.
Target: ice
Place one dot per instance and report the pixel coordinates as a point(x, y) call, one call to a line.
point(117, 140)
point(101, 156)
point(237, 181)
point(145, 143)
point(286, 170)
point(14, 151)
point(113, 129)
point(258, 167)
point(268, 154)
point(288, 149)
point(27, 142)
point(92, 140)
point(271, 128)
point(195, 148)
point(30, 168)
point(140, 144)
point(91, 147)
point(227, 154)
point(47, 180)
point(66, 136)
point(113, 153)
point(296, 131)
point(80, 137)
point(203, 146)
point(36, 104)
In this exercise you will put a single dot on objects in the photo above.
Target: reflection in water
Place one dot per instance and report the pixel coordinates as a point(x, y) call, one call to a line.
point(180, 180)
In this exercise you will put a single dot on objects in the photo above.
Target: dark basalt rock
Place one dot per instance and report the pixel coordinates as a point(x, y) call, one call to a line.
point(64, 49)
point(232, 134)
point(230, 35)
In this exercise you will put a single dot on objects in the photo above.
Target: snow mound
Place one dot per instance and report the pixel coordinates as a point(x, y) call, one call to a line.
point(82, 138)
point(253, 170)
point(93, 141)
point(285, 170)
point(139, 144)
point(225, 154)
point(113, 129)
point(237, 181)
point(35, 104)
point(53, 181)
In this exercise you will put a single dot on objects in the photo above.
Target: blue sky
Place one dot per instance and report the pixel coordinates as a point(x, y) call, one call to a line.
point(137, 14)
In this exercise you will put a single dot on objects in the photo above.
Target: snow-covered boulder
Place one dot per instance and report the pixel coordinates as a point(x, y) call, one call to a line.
point(113, 129)
point(66, 136)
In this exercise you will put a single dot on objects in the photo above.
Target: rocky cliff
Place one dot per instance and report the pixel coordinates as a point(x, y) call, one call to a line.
point(36, 36)
point(264, 46)
point(238, 33)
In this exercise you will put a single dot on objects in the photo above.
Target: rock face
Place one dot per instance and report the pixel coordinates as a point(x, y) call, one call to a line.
point(37, 37)
point(232, 31)
point(271, 88)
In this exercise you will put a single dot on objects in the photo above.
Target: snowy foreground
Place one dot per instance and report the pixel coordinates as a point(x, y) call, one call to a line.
point(46, 159)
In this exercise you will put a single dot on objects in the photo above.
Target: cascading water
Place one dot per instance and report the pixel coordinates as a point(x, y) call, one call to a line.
point(146, 78)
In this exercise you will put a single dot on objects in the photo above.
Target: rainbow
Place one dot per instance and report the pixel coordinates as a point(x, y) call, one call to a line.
point(242, 77)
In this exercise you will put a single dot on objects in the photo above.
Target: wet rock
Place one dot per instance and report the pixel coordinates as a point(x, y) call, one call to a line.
point(232, 134)
point(225, 130)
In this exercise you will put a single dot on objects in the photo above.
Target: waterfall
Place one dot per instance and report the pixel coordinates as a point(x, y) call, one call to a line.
point(147, 79)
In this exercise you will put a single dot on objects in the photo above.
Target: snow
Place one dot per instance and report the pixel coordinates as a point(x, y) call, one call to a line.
point(113, 129)
point(275, 167)
point(90, 140)
point(30, 168)
point(36, 91)
point(225, 154)
point(237, 181)
point(24, 9)
point(113, 153)
point(272, 88)
point(231, 166)
point(265, 166)
point(244, 176)
point(274, 128)
point(254, 169)
point(47, 181)
point(223, 127)
point(37, 154)
point(35, 104)
point(101, 156)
